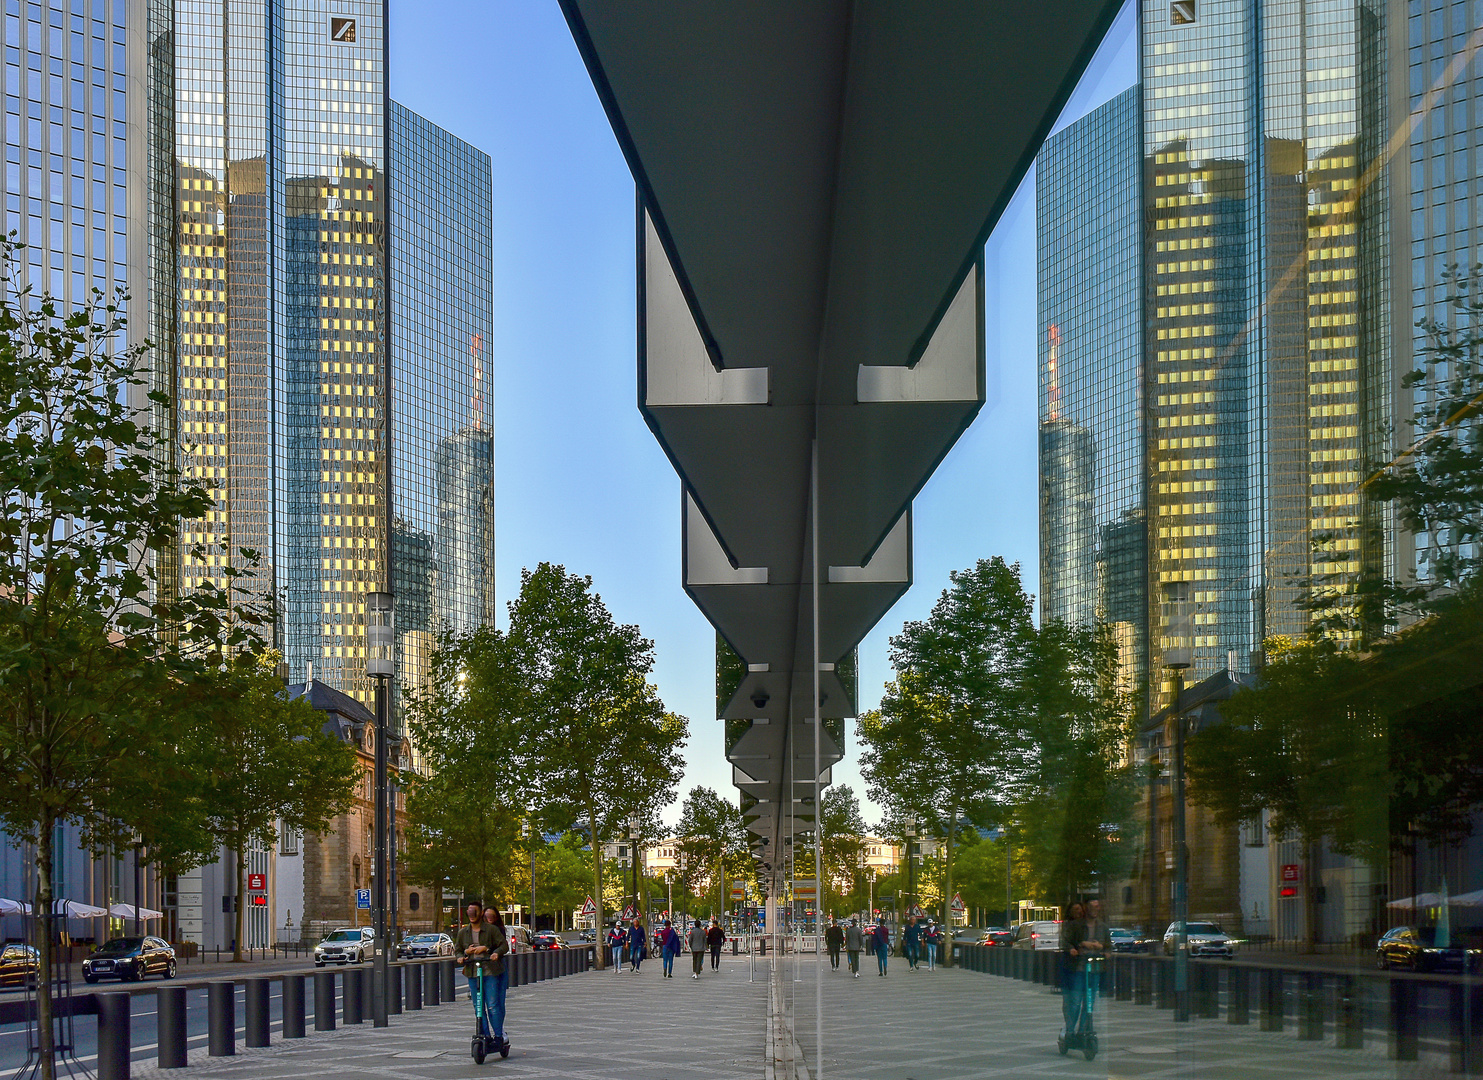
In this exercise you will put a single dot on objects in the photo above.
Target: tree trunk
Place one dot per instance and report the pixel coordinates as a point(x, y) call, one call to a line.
point(241, 919)
point(598, 923)
point(41, 920)
point(947, 891)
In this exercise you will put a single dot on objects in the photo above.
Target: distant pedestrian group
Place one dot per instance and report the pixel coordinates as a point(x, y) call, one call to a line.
point(671, 942)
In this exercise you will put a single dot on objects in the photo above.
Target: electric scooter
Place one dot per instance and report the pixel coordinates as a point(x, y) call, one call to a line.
point(1085, 1039)
point(483, 1044)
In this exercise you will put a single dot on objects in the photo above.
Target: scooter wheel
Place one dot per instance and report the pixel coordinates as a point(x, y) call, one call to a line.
point(478, 1050)
point(1089, 1046)
point(1061, 1044)
point(504, 1049)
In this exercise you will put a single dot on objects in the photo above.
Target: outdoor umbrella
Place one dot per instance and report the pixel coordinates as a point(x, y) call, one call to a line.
point(72, 909)
point(1431, 900)
point(126, 911)
point(14, 907)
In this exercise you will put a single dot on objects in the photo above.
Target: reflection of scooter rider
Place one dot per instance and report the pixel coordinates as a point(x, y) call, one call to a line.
point(1086, 941)
point(482, 946)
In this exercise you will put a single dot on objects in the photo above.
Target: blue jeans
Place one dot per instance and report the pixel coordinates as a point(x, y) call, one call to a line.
point(1073, 1000)
point(493, 988)
point(881, 952)
point(931, 952)
point(910, 952)
point(669, 962)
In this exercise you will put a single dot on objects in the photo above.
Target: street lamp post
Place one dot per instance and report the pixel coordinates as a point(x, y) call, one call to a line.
point(380, 666)
point(633, 854)
point(1178, 656)
point(911, 864)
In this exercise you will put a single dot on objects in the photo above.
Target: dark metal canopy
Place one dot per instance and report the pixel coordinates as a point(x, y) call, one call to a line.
point(816, 181)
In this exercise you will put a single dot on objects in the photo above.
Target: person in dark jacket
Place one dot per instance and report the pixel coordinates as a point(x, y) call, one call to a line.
point(715, 937)
point(697, 948)
point(833, 939)
point(880, 944)
point(481, 945)
point(670, 947)
point(1073, 968)
point(911, 942)
point(638, 948)
point(854, 941)
point(617, 938)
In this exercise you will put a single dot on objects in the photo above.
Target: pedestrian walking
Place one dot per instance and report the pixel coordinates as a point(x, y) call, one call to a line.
point(1073, 970)
point(833, 939)
point(854, 941)
point(638, 948)
point(880, 943)
point(617, 938)
point(931, 940)
point(697, 948)
point(715, 937)
point(481, 946)
point(670, 946)
point(911, 942)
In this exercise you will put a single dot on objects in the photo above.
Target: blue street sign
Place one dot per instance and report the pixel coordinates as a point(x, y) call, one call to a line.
point(363, 899)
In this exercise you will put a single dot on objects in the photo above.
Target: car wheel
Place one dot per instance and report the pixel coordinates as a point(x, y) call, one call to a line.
point(319, 963)
point(90, 978)
point(1382, 962)
point(170, 969)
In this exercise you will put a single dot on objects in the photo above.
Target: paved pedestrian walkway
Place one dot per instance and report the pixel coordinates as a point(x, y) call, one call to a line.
point(942, 1025)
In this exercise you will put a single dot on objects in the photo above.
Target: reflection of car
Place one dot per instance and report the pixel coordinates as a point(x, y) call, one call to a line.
point(519, 936)
point(997, 938)
point(130, 958)
point(587, 935)
point(1205, 939)
point(421, 945)
point(1040, 934)
point(348, 946)
point(1421, 948)
point(1124, 940)
point(548, 939)
point(19, 964)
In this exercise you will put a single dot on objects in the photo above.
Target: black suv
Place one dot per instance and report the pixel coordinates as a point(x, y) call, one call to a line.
point(130, 958)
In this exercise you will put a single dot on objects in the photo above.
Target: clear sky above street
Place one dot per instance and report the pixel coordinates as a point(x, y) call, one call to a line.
point(580, 479)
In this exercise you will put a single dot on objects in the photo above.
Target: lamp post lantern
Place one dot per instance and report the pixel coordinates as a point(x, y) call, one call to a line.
point(380, 666)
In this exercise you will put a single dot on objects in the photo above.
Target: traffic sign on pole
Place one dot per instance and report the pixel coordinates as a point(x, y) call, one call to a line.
point(589, 909)
point(629, 913)
point(958, 902)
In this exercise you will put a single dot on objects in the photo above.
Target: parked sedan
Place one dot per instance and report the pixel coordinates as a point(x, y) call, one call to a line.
point(418, 946)
point(1204, 939)
point(348, 946)
point(548, 939)
point(996, 938)
point(1421, 948)
point(130, 958)
point(18, 965)
point(1125, 940)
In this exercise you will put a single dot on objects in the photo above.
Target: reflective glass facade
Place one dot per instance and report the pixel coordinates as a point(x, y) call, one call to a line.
point(1093, 530)
point(441, 262)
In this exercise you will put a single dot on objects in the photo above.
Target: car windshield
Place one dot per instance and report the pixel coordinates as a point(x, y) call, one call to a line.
point(121, 945)
point(423, 937)
point(1202, 928)
point(344, 935)
point(1120, 933)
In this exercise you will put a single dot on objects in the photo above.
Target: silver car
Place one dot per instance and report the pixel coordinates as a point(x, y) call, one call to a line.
point(348, 946)
point(1205, 939)
point(419, 946)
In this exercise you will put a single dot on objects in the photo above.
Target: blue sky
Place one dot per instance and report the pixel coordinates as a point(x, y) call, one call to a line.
point(580, 479)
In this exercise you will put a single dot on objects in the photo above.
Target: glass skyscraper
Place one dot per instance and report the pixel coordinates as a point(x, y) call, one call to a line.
point(1093, 531)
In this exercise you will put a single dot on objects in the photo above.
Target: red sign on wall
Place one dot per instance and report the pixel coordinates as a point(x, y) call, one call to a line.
point(257, 882)
point(1292, 872)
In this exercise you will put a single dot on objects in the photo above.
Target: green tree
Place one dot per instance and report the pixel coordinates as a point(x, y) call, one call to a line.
point(713, 844)
point(843, 829)
point(945, 737)
point(91, 637)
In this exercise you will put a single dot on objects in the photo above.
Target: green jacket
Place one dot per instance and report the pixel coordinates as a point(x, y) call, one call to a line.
point(1075, 934)
point(492, 938)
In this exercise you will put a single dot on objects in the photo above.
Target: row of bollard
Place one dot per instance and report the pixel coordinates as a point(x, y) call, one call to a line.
point(412, 985)
point(1316, 995)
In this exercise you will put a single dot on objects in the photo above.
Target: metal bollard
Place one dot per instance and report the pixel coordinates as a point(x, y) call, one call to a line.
point(1269, 989)
point(1404, 1031)
point(735, 944)
point(352, 997)
point(257, 1011)
point(113, 1037)
point(450, 984)
point(1163, 983)
point(293, 1006)
point(414, 987)
point(1349, 1014)
point(1205, 981)
point(432, 982)
point(1464, 1002)
point(1238, 995)
point(368, 988)
point(221, 1019)
point(395, 973)
point(1310, 1007)
point(170, 1028)
point(324, 1001)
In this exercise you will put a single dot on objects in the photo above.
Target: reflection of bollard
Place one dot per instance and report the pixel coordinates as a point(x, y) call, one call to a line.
point(414, 987)
point(351, 998)
point(1403, 1020)
point(257, 1011)
point(1205, 982)
point(1163, 983)
point(395, 973)
point(221, 1019)
point(450, 986)
point(368, 989)
point(324, 1001)
point(1465, 1001)
point(113, 1037)
point(1349, 1014)
point(1238, 995)
point(1122, 977)
point(170, 1030)
point(432, 988)
point(1310, 1007)
point(293, 1006)
point(1269, 989)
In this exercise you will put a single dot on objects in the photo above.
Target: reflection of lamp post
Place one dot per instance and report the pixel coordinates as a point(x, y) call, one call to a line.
point(911, 864)
point(633, 854)
point(1179, 655)
point(380, 666)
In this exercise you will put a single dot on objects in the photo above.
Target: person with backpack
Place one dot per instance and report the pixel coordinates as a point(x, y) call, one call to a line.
point(715, 937)
point(670, 947)
point(854, 941)
point(833, 939)
point(696, 941)
point(880, 943)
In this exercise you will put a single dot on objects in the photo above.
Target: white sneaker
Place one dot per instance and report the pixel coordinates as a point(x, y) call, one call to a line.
point(694, 976)
point(857, 974)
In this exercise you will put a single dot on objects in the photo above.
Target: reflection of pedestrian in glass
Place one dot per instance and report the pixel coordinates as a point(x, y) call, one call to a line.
point(1073, 969)
point(1095, 947)
point(880, 943)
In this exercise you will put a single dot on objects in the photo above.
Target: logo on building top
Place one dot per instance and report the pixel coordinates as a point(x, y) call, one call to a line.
point(343, 30)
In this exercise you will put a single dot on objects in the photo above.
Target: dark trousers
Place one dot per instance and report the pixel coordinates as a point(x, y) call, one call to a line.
point(854, 960)
point(699, 960)
point(834, 956)
point(715, 957)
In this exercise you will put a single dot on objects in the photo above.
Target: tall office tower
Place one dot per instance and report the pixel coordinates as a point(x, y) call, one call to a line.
point(1093, 531)
point(1268, 360)
point(441, 259)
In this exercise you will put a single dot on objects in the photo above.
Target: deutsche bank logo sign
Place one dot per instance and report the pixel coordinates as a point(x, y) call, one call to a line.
point(342, 30)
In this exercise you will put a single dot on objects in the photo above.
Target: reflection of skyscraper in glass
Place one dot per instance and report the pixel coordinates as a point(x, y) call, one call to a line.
point(463, 591)
point(1093, 542)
